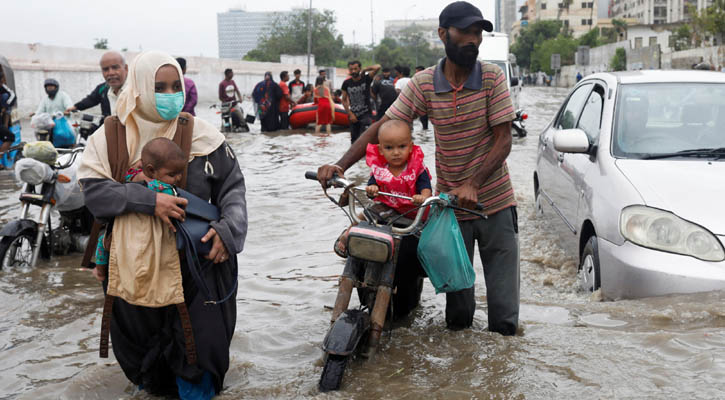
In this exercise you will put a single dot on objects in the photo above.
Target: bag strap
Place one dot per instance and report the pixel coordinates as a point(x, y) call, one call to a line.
point(182, 138)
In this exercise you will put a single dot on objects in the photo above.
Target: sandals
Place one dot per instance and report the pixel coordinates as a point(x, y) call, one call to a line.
point(340, 247)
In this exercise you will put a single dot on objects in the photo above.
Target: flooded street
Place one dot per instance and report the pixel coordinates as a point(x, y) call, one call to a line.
point(571, 346)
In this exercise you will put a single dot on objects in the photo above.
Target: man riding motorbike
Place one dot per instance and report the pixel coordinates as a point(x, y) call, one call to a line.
point(228, 91)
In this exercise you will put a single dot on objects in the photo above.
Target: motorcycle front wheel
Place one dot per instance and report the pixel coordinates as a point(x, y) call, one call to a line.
point(17, 251)
point(332, 373)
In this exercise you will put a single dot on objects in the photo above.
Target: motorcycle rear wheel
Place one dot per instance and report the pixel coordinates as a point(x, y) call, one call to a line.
point(17, 251)
point(332, 373)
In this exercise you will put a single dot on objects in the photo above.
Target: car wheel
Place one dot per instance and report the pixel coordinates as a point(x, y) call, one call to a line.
point(589, 272)
point(537, 201)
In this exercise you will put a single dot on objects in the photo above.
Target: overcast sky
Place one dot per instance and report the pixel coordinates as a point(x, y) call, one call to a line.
point(187, 27)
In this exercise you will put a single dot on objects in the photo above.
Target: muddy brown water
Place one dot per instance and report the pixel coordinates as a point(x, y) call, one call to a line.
point(571, 346)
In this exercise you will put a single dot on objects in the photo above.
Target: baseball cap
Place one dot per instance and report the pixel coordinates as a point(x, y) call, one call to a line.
point(461, 15)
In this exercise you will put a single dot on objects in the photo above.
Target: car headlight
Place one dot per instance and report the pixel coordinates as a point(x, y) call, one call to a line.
point(662, 230)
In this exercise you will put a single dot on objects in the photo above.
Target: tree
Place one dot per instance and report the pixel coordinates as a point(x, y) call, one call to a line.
point(101, 43)
point(681, 38)
point(532, 35)
point(288, 35)
point(619, 60)
point(708, 22)
point(562, 45)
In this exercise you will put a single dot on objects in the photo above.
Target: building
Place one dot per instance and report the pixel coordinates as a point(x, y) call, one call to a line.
point(650, 12)
point(578, 16)
point(239, 31)
point(397, 29)
point(505, 16)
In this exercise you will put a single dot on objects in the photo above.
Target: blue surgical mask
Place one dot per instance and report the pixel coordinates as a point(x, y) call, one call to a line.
point(169, 105)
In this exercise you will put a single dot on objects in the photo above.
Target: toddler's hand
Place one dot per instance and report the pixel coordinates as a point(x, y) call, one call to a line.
point(140, 177)
point(372, 190)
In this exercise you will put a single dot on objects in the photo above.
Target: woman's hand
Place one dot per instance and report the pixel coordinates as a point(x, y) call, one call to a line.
point(218, 252)
point(99, 272)
point(168, 207)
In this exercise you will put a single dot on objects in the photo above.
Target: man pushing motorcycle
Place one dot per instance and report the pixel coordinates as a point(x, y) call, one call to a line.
point(472, 125)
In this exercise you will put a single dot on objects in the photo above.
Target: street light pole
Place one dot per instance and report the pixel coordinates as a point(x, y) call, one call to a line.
point(372, 32)
point(309, 40)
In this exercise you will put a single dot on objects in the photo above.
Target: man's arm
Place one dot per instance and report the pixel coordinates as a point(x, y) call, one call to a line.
point(93, 99)
point(355, 153)
point(236, 90)
point(467, 193)
point(221, 91)
point(372, 70)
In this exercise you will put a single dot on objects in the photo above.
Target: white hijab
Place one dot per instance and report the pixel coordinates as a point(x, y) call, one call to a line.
point(136, 109)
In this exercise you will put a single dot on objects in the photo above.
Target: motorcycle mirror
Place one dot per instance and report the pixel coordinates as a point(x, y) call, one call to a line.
point(525, 116)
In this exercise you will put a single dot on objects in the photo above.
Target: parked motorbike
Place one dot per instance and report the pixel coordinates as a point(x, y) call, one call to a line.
point(518, 123)
point(85, 124)
point(49, 188)
point(373, 249)
point(229, 123)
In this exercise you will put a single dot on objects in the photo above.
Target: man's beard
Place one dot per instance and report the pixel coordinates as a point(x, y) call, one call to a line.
point(465, 56)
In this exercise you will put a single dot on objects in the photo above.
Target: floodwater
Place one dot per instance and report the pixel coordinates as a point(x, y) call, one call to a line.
point(571, 346)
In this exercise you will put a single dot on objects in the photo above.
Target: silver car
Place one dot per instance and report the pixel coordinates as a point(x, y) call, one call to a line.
point(634, 165)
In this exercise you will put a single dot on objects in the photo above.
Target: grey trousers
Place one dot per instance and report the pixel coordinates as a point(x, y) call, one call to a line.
point(498, 245)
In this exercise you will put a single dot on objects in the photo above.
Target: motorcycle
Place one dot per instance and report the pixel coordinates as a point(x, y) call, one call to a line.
point(50, 188)
point(229, 123)
point(85, 124)
point(518, 123)
point(372, 249)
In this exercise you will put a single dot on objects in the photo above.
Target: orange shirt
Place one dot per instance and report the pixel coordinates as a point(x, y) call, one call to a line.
point(283, 102)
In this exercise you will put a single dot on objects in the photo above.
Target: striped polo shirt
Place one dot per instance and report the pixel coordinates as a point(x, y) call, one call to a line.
point(463, 119)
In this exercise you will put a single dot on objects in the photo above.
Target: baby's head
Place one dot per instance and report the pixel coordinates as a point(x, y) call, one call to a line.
point(395, 142)
point(163, 160)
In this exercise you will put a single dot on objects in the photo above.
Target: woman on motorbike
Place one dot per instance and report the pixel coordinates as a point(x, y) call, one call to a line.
point(149, 342)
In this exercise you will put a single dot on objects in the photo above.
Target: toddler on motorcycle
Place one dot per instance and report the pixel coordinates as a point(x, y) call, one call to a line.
point(396, 167)
point(160, 169)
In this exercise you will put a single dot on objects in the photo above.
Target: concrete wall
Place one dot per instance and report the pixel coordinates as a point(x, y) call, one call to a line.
point(78, 72)
point(643, 58)
point(684, 59)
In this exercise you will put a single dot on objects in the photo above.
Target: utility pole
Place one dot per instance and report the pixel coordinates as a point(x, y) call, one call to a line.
point(309, 40)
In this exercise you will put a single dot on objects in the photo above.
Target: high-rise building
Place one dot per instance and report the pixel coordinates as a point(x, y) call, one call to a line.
point(239, 31)
point(505, 16)
point(396, 29)
point(578, 16)
point(656, 11)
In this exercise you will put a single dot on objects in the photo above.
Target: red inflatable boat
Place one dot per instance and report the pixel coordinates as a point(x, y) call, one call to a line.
point(304, 114)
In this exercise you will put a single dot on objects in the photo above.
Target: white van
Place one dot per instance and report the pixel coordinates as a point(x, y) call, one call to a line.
point(495, 49)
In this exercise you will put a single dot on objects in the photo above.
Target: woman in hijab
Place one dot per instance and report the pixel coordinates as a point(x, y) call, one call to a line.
point(267, 95)
point(149, 342)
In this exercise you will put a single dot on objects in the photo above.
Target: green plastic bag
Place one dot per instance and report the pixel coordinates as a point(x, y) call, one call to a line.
point(442, 252)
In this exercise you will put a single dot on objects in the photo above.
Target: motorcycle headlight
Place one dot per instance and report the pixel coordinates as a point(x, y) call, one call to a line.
point(662, 230)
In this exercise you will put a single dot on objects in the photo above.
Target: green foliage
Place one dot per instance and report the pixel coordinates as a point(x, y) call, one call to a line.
point(530, 36)
point(101, 43)
point(708, 22)
point(681, 38)
point(562, 45)
point(288, 35)
point(619, 60)
point(590, 39)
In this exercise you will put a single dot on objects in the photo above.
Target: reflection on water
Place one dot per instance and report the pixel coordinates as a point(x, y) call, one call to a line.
point(572, 346)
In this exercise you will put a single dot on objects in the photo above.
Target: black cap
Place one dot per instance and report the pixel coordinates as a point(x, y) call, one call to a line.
point(462, 14)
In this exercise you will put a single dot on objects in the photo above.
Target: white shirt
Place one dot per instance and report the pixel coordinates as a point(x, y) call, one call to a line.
point(113, 98)
point(60, 102)
point(401, 83)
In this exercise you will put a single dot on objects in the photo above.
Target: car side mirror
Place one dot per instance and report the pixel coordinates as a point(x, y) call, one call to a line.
point(514, 81)
point(571, 141)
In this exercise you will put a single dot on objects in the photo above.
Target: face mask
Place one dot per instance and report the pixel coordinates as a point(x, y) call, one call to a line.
point(464, 56)
point(169, 105)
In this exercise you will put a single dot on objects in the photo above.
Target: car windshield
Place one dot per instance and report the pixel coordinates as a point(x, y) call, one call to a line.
point(663, 119)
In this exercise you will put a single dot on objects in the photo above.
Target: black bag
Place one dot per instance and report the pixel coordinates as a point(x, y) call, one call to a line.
point(199, 215)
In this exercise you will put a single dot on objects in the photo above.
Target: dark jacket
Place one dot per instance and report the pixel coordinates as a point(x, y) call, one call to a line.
point(98, 95)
